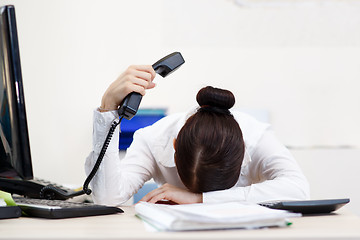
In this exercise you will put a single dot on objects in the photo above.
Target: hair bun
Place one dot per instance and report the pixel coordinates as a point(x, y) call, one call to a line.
point(215, 97)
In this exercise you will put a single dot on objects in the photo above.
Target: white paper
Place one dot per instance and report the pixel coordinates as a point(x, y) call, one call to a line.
point(211, 216)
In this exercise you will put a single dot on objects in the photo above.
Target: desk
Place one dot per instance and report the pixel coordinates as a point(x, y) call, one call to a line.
point(342, 225)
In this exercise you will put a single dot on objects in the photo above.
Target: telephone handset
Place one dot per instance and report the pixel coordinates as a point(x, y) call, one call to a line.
point(127, 110)
point(163, 67)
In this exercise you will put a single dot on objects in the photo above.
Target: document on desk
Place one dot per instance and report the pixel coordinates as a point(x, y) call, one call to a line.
point(211, 216)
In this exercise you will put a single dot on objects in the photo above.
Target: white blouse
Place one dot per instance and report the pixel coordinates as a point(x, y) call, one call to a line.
point(268, 172)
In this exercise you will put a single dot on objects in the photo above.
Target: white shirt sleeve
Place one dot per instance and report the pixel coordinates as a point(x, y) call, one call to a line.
point(117, 180)
point(273, 174)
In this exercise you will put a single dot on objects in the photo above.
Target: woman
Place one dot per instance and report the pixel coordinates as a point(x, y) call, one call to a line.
point(210, 154)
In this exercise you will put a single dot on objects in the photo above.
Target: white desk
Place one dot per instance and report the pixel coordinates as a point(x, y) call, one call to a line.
point(342, 225)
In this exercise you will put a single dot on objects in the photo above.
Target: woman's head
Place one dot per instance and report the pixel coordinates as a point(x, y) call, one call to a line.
point(209, 148)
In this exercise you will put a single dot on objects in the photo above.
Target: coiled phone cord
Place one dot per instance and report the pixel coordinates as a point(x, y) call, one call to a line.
point(100, 157)
point(52, 192)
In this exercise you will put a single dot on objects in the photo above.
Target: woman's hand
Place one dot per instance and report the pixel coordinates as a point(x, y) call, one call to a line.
point(173, 194)
point(136, 78)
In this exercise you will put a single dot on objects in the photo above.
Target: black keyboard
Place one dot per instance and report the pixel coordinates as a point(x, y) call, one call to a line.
point(44, 208)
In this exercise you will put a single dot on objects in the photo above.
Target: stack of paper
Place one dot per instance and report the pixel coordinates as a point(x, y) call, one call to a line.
point(211, 216)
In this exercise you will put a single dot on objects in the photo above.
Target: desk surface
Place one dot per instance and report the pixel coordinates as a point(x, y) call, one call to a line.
point(340, 225)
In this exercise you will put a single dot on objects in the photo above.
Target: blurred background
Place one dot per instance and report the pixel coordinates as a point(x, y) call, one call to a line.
point(297, 62)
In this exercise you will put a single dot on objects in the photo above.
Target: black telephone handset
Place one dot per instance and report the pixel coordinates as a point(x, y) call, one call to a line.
point(127, 110)
point(163, 67)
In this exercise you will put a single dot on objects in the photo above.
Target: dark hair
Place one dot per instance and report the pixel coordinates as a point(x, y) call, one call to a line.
point(209, 148)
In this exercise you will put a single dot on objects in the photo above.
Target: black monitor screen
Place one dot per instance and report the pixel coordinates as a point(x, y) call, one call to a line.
point(15, 160)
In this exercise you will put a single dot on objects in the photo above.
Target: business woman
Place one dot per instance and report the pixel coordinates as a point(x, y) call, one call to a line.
point(208, 154)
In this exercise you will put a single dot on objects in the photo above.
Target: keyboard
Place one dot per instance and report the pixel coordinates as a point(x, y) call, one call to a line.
point(56, 209)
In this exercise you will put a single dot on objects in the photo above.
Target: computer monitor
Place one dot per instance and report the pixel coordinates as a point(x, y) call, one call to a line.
point(15, 158)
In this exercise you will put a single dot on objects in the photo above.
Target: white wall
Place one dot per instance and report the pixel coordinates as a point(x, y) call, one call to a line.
point(332, 173)
point(298, 59)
